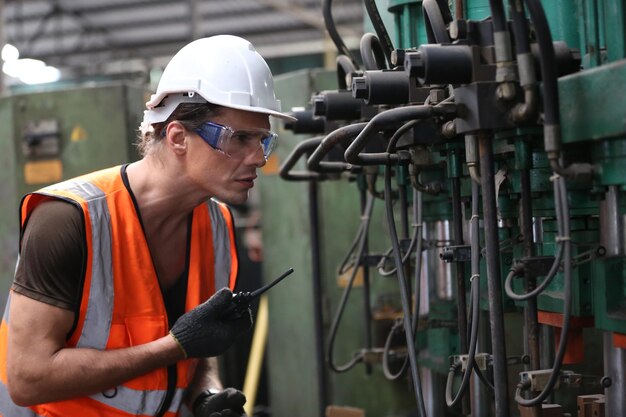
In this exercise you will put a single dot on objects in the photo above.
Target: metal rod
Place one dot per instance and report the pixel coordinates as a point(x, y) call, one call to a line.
point(496, 311)
point(317, 297)
point(461, 302)
point(615, 368)
point(367, 307)
point(531, 324)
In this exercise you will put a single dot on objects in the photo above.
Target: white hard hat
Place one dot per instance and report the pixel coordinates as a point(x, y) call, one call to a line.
point(224, 70)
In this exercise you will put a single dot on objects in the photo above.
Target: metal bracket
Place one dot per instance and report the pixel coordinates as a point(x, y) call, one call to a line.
point(588, 256)
point(460, 253)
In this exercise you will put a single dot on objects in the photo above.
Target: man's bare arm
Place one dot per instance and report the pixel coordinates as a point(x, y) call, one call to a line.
point(41, 369)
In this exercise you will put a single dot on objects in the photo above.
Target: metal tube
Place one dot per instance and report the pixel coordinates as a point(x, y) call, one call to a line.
point(367, 307)
point(496, 312)
point(461, 302)
point(531, 325)
point(317, 296)
point(615, 368)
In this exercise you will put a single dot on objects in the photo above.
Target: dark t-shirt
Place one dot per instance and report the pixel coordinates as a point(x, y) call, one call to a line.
point(52, 258)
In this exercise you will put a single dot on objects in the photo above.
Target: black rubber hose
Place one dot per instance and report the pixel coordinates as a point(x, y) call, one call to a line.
point(406, 302)
point(367, 305)
point(334, 34)
point(345, 66)
point(316, 281)
point(520, 27)
point(379, 27)
point(564, 231)
point(547, 62)
point(315, 163)
point(497, 15)
point(372, 53)
point(508, 287)
point(300, 149)
point(363, 229)
point(384, 119)
point(435, 23)
point(492, 245)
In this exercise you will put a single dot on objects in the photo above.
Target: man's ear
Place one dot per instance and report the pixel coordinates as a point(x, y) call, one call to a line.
point(176, 137)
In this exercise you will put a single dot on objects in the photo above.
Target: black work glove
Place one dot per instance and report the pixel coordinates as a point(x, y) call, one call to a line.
point(205, 331)
point(228, 403)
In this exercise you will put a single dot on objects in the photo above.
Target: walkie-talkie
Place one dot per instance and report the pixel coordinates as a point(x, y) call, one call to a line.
point(242, 300)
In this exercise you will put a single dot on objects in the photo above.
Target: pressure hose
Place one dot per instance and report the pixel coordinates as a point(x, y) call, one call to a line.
point(475, 303)
point(379, 27)
point(563, 224)
point(334, 34)
point(362, 240)
point(406, 302)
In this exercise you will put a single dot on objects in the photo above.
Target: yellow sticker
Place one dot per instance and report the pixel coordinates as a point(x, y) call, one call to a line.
point(78, 134)
point(43, 172)
point(344, 279)
point(272, 167)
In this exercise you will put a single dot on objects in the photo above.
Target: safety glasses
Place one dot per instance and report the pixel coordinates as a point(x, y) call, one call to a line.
point(237, 144)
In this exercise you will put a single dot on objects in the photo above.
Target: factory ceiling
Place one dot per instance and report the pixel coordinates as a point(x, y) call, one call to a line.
point(87, 37)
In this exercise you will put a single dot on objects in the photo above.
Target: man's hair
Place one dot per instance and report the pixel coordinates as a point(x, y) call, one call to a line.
point(190, 115)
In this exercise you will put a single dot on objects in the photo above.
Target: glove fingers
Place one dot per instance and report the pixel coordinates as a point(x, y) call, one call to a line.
point(236, 399)
point(219, 301)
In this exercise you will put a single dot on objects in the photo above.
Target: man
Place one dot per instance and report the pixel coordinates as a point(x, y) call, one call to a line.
point(108, 314)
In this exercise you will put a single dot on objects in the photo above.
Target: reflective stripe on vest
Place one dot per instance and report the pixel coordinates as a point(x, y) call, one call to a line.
point(221, 249)
point(95, 332)
point(138, 402)
point(99, 294)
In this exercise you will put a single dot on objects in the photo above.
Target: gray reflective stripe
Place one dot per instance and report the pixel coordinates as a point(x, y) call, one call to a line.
point(8, 407)
point(138, 402)
point(95, 331)
point(5, 317)
point(221, 245)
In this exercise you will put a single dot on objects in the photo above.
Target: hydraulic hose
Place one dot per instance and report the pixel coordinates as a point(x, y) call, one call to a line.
point(367, 305)
point(435, 24)
point(417, 218)
point(363, 229)
point(475, 295)
point(384, 119)
point(372, 52)
point(379, 27)
point(563, 222)
point(496, 312)
point(300, 149)
point(498, 17)
point(315, 162)
point(331, 28)
point(390, 148)
point(406, 302)
point(344, 67)
point(508, 288)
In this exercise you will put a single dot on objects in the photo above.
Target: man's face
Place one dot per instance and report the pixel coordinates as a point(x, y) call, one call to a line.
point(226, 177)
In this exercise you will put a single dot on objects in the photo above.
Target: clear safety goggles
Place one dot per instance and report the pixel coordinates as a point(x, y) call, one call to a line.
point(237, 144)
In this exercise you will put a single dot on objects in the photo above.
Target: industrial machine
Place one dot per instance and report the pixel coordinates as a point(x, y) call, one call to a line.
point(54, 135)
point(458, 197)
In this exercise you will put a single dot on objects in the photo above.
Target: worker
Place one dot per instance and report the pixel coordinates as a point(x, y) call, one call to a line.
point(123, 287)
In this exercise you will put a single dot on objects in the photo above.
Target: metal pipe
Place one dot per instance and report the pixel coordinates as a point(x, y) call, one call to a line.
point(461, 302)
point(531, 325)
point(496, 312)
point(615, 368)
point(367, 307)
point(300, 149)
point(318, 319)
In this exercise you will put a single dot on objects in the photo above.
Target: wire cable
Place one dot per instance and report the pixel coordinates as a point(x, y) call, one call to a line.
point(563, 222)
point(406, 302)
point(331, 28)
point(379, 27)
point(362, 233)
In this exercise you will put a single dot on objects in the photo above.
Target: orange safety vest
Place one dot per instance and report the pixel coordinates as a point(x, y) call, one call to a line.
point(121, 304)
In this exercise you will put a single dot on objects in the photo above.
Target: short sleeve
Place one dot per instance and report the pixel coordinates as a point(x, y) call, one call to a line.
point(50, 268)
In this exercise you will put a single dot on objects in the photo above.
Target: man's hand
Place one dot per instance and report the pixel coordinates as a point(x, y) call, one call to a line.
point(228, 403)
point(204, 332)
